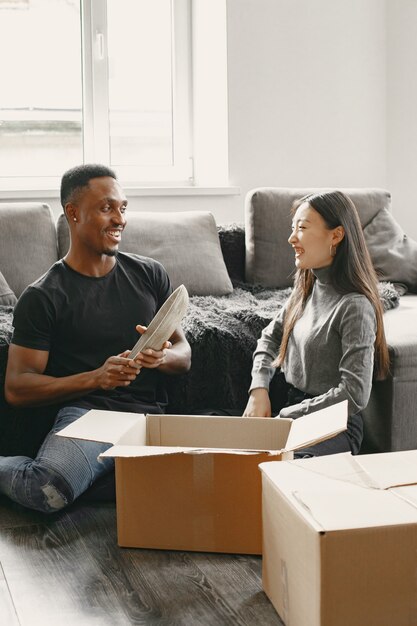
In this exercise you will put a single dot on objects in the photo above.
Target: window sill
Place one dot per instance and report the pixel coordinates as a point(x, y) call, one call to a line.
point(131, 191)
point(182, 191)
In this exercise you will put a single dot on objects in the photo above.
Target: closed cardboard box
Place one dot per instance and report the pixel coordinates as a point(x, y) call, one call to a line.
point(340, 539)
point(188, 482)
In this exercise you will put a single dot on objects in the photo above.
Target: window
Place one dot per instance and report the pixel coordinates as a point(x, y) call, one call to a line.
point(96, 80)
point(137, 87)
point(41, 88)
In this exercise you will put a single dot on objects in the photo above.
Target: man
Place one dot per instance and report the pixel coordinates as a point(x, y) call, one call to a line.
point(73, 329)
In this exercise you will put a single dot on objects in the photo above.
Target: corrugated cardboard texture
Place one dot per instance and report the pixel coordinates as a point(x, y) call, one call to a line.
point(237, 433)
point(203, 502)
point(203, 489)
point(291, 560)
point(321, 570)
point(368, 577)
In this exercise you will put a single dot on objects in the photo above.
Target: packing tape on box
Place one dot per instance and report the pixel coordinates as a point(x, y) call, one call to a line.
point(203, 482)
point(285, 593)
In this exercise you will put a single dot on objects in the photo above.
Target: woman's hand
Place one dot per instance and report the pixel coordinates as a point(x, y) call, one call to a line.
point(259, 404)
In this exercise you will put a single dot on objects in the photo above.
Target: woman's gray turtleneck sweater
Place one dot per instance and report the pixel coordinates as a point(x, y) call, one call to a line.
point(330, 352)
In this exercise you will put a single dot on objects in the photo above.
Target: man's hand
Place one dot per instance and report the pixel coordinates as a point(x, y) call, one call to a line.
point(259, 404)
point(152, 358)
point(28, 385)
point(117, 371)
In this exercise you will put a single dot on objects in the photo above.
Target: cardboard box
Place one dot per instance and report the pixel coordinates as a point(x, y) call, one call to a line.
point(340, 539)
point(188, 482)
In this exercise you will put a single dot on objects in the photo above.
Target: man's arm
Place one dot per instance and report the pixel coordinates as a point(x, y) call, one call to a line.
point(27, 385)
point(173, 358)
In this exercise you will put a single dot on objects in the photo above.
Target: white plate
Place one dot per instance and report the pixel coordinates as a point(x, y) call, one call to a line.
point(164, 323)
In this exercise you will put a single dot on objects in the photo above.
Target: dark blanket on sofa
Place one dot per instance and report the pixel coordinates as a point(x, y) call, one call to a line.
point(222, 332)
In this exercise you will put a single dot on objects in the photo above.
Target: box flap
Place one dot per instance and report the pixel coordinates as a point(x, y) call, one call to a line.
point(318, 426)
point(391, 469)
point(408, 493)
point(330, 504)
point(127, 451)
point(340, 466)
point(142, 451)
point(375, 471)
point(108, 426)
point(203, 431)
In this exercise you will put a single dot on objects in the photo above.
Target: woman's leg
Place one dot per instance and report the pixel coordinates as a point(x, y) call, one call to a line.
point(62, 470)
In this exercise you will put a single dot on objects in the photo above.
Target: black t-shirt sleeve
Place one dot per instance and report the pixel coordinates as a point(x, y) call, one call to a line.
point(162, 283)
point(33, 320)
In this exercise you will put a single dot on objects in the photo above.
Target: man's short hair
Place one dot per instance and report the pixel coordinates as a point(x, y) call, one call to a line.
point(78, 177)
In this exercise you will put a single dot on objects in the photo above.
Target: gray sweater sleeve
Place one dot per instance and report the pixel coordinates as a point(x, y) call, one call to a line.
point(357, 330)
point(266, 352)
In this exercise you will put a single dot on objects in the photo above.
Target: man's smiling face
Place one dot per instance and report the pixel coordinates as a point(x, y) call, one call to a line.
point(100, 216)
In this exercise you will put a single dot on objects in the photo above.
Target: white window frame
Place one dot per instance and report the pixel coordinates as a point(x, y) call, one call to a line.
point(96, 134)
point(200, 93)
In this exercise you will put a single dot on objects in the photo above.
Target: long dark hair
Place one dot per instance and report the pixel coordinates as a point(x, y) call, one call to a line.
point(351, 271)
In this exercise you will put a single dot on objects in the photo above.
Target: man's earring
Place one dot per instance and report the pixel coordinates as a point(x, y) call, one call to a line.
point(332, 250)
point(75, 219)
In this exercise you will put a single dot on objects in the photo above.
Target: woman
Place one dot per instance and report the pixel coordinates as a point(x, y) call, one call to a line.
point(328, 340)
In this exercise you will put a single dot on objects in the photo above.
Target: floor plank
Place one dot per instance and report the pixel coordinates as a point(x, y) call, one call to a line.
point(7, 611)
point(68, 569)
point(12, 515)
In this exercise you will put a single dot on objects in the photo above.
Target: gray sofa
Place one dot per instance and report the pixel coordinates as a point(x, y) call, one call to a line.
point(238, 278)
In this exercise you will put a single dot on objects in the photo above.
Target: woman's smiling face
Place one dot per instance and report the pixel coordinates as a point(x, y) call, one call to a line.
point(311, 239)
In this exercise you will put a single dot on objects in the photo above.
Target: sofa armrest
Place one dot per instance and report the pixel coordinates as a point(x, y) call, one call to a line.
point(391, 415)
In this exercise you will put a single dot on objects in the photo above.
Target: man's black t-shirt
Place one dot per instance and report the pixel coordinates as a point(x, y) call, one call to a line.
point(82, 320)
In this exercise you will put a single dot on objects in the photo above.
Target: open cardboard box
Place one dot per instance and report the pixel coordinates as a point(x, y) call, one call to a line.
point(188, 482)
point(340, 539)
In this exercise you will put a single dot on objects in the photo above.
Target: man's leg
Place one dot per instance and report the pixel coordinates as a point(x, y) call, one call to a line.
point(62, 470)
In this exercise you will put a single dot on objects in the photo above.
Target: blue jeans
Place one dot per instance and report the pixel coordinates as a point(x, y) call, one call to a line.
point(62, 470)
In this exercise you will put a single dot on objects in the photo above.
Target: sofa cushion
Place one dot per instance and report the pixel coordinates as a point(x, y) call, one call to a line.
point(393, 254)
point(222, 332)
point(28, 242)
point(269, 258)
point(186, 243)
point(7, 297)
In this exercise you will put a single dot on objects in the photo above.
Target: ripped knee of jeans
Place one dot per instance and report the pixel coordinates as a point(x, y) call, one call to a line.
point(54, 499)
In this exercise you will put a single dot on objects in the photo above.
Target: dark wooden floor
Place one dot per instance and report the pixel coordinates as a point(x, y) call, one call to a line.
point(68, 569)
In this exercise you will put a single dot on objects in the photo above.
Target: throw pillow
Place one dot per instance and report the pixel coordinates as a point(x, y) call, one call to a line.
point(393, 254)
point(7, 297)
point(186, 243)
point(269, 258)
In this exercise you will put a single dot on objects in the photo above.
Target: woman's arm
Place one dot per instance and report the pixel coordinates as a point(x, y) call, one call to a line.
point(266, 352)
point(267, 348)
point(357, 330)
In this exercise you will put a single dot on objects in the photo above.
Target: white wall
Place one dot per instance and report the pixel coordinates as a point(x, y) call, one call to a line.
point(307, 92)
point(402, 110)
point(321, 93)
point(306, 85)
